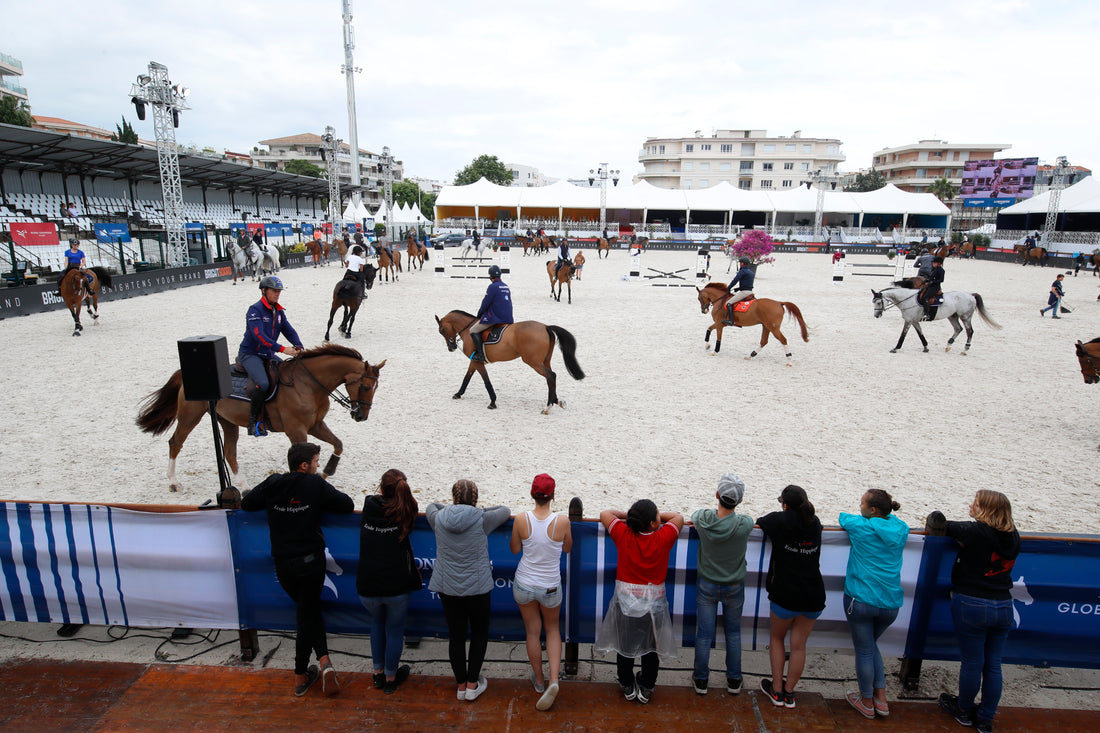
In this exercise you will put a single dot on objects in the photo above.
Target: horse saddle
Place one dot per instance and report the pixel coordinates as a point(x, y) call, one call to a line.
point(493, 334)
point(743, 305)
point(242, 384)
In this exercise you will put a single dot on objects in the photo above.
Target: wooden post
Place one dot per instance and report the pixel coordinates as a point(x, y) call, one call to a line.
point(935, 525)
point(576, 514)
point(250, 644)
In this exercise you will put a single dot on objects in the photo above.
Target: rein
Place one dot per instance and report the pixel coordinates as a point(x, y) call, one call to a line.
point(346, 402)
point(887, 306)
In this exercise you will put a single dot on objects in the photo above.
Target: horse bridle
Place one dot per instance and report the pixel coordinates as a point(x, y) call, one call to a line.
point(452, 342)
point(892, 304)
point(355, 407)
point(1092, 360)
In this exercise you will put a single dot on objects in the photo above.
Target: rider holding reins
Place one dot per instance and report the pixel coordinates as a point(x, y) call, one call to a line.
point(563, 255)
point(932, 288)
point(76, 261)
point(740, 288)
point(496, 307)
point(263, 324)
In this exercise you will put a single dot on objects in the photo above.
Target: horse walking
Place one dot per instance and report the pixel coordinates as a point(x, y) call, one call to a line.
point(298, 409)
point(603, 246)
point(957, 306)
point(82, 288)
point(763, 312)
point(564, 275)
point(528, 340)
point(238, 260)
point(348, 295)
point(1031, 256)
point(389, 264)
point(468, 246)
point(417, 253)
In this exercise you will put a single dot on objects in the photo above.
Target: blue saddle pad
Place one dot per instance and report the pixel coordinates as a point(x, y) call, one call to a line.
point(242, 384)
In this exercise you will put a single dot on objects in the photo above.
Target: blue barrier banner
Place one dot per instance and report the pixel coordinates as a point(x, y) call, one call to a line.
point(194, 226)
point(264, 605)
point(1056, 609)
point(111, 233)
point(236, 227)
point(272, 229)
point(351, 228)
point(307, 230)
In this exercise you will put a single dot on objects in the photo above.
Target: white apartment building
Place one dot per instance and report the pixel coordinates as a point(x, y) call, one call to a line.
point(307, 147)
point(745, 159)
point(525, 175)
point(13, 68)
point(916, 166)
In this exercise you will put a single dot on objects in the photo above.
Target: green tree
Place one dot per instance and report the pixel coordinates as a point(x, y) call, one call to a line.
point(15, 111)
point(870, 181)
point(124, 133)
point(484, 166)
point(944, 189)
point(303, 168)
point(410, 194)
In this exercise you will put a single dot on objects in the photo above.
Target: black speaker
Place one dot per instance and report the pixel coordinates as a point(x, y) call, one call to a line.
point(204, 363)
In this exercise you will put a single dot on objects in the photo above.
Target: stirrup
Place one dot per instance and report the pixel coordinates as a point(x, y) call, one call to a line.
point(257, 429)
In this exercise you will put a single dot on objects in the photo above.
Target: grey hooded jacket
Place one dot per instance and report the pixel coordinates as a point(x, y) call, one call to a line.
point(462, 566)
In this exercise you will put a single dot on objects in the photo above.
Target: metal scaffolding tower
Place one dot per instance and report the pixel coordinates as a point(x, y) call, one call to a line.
point(387, 189)
point(349, 70)
point(329, 153)
point(1057, 183)
point(819, 178)
point(603, 173)
point(166, 99)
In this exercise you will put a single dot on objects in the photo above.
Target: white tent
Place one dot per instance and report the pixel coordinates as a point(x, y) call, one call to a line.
point(1082, 197)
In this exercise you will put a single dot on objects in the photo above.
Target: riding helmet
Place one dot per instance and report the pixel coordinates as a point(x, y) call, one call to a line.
point(494, 272)
point(744, 260)
point(938, 259)
point(272, 282)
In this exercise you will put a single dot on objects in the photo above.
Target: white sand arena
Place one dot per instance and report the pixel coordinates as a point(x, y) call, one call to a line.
point(656, 416)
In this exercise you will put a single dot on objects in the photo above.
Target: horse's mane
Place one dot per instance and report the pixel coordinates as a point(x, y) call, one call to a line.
point(716, 286)
point(1094, 341)
point(331, 350)
point(464, 313)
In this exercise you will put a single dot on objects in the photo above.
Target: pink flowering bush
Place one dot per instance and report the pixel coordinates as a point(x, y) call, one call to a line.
point(756, 245)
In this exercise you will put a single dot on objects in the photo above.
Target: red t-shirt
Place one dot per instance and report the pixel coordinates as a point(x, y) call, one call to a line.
point(643, 558)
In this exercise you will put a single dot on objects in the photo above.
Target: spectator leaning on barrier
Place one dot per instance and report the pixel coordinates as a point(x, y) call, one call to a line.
point(463, 578)
point(723, 538)
point(872, 592)
point(295, 502)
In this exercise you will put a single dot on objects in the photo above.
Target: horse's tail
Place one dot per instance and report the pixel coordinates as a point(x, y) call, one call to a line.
point(568, 346)
point(982, 311)
point(103, 275)
point(158, 412)
point(426, 250)
point(793, 310)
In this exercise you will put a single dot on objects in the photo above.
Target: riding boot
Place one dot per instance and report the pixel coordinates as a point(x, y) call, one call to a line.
point(728, 320)
point(479, 349)
point(255, 425)
point(930, 312)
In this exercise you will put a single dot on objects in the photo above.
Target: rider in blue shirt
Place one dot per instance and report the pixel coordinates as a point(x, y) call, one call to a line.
point(740, 287)
point(496, 307)
point(76, 261)
point(264, 323)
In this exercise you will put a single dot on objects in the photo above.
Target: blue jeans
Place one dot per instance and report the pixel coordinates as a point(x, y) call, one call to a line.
point(866, 623)
point(707, 597)
point(387, 630)
point(982, 627)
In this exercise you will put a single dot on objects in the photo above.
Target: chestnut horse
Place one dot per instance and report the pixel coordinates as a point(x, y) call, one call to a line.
point(1034, 256)
point(603, 247)
point(527, 242)
point(347, 295)
point(389, 265)
point(76, 290)
point(298, 409)
point(1088, 354)
point(316, 252)
point(416, 252)
point(764, 312)
point(563, 275)
point(528, 340)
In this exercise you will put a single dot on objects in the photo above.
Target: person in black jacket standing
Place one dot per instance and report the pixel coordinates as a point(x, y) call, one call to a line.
point(387, 574)
point(294, 503)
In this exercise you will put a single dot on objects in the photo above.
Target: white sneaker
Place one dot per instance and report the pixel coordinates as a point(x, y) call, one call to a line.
point(475, 693)
point(548, 697)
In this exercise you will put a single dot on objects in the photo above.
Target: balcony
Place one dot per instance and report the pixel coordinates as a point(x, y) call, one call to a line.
point(14, 89)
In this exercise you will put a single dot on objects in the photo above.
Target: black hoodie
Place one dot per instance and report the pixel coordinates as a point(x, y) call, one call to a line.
point(294, 502)
point(983, 568)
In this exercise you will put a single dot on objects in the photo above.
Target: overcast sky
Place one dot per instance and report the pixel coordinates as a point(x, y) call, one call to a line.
point(564, 85)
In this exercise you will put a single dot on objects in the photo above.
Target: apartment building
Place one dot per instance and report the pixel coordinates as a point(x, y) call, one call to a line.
point(526, 176)
point(916, 166)
point(68, 127)
point(745, 159)
point(11, 69)
point(307, 146)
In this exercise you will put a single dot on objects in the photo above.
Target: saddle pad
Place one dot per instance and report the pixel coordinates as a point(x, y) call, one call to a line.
point(493, 335)
point(241, 385)
point(742, 305)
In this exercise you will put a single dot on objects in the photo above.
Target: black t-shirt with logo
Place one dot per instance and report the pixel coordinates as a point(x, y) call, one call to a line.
point(794, 573)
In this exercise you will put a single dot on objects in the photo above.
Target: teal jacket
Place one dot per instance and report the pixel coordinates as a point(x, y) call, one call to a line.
point(874, 564)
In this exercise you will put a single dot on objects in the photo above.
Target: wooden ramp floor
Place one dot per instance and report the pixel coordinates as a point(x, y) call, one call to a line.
point(96, 696)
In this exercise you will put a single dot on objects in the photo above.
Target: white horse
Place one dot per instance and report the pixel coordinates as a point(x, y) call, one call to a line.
point(238, 259)
point(957, 306)
point(270, 257)
point(468, 244)
point(255, 259)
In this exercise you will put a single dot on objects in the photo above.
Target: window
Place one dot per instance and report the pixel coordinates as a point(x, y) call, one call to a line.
point(832, 149)
point(790, 147)
point(702, 183)
point(727, 148)
point(768, 166)
point(744, 185)
point(807, 148)
point(746, 165)
point(788, 166)
point(805, 166)
point(922, 172)
point(769, 148)
point(705, 147)
point(704, 166)
point(661, 149)
point(786, 184)
point(748, 148)
point(689, 148)
point(765, 184)
point(688, 165)
point(724, 166)
point(515, 175)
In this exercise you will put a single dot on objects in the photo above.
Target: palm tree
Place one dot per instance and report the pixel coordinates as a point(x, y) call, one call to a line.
point(943, 189)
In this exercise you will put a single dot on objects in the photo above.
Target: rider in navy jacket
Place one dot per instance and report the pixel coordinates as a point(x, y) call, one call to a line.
point(496, 307)
point(563, 254)
point(741, 285)
point(264, 323)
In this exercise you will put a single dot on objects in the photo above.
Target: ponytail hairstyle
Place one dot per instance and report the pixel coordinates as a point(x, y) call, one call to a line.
point(401, 506)
point(883, 502)
point(794, 497)
point(641, 516)
point(993, 508)
point(464, 492)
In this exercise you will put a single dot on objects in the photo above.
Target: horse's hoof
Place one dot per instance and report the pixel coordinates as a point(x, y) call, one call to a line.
point(947, 348)
point(457, 396)
point(76, 333)
point(492, 406)
point(926, 349)
point(173, 488)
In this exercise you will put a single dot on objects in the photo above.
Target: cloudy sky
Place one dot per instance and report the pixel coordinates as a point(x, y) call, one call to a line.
point(565, 85)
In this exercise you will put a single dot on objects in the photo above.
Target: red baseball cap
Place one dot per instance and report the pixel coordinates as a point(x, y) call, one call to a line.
point(543, 486)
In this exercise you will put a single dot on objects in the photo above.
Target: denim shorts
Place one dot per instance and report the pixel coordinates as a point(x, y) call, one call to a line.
point(545, 597)
point(786, 615)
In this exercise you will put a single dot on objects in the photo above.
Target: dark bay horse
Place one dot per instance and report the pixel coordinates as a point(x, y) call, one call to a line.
point(299, 408)
point(347, 295)
point(528, 340)
point(527, 242)
point(389, 265)
point(603, 246)
point(563, 275)
point(1033, 256)
point(764, 312)
point(76, 290)
point(416, 252)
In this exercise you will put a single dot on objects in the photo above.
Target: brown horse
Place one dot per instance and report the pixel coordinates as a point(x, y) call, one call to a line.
point(417, 252)
point(578, 264)
point(316, 252)
point(1033, 256)
point(545, 243)
point(1088, 354)
point(76, 290)
point(389, 265)
point(603, 246)
point(944, 251)
point(347, 295)
point(761, 311)
point(966, 251)
point(528, 243)
point(298, 408)
point(342, 249)
point(528, 340)
point(563, 275)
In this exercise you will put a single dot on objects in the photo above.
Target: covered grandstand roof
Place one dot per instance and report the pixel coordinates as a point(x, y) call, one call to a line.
point(23, 148)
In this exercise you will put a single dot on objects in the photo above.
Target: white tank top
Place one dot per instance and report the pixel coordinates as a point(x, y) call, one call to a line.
point(539, 565)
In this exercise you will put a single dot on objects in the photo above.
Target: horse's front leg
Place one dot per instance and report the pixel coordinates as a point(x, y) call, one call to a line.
point(321, 432)
point(901, 339)
point(465, 382)
point(569, 290)
point(479, 366)
point(77, 327)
